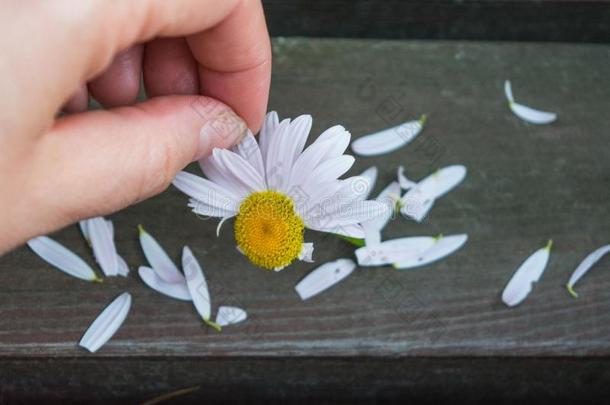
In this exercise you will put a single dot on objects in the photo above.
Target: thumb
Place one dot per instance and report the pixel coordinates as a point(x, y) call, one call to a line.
point(101, 161)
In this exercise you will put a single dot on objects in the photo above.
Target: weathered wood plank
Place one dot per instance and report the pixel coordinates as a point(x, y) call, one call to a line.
point(525, 185)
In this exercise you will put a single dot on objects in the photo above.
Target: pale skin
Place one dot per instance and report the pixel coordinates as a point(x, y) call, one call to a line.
point(203, 61)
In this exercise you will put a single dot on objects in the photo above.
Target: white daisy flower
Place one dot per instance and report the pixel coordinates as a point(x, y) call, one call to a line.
point(276, 188)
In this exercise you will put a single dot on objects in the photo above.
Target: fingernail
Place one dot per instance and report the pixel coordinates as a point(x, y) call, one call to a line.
point(222, 131)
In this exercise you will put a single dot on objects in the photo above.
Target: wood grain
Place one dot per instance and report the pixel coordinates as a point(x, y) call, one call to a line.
point(526, 184)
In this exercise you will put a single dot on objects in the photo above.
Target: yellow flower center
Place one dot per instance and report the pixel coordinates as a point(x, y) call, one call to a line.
point(268, 231)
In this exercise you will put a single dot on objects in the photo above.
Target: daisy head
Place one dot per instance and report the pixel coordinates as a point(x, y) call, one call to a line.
point(275, 188)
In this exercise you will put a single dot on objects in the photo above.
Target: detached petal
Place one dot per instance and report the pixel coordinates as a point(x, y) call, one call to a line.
point(524, 112)
point(393, 250)
point(324, 277)
point(107, 323)
point(442, 247)
point(388, 196)
point(388, 140)
point(196, 283)
point(178, 290)
point(62, 258)
point(404, 182)
point(230, 316)
point(158, 259)
point(520, 285)
point(531, 115)
point(584, 266)
point(102, 242)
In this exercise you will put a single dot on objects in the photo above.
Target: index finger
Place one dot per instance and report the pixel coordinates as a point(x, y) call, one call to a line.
point(234, 60)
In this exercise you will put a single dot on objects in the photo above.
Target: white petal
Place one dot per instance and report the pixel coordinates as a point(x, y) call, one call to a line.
point(306, 254)
point(196, 283)
point(286, 149)
point(417, 201)
point(102, 242)
point(61, 258)
point(122, 267)
point(388, 196)
point(158, 259)
point(355, 213)
point(218, 174)
point(230, 316)
point(277, 166)
point(351, 231)
point(239, 169)
point(330, 144)
point(249, 150)
point(372, 234)
point(84, 230)
point(388, 140)
point(520, 285)
point(442, 247)
point(394, 250)
point(206, 210)
point(268, 129)
point(329, 170)
point(508, 91)
point(324, 277)
point(370, 175)
point(404, 182)
point(107, 323)
point(416, 206)
point(177, 290)
point(206, 191)
point(584, 266)
point(531, 115)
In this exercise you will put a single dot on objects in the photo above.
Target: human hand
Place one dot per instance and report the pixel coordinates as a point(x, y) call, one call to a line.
point(58, 170)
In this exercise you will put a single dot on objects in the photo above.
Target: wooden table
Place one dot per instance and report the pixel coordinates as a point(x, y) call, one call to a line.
point(440, 332)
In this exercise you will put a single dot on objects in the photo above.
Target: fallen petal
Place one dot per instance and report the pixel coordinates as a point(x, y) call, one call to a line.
point(508, 91)
point(62, 258)
point(524, 112)
point(178, 291)
point(102, 243)
point(388, 140)
point(531, 115)
point(123, 268)
point(520, 285)
point(393, 250)
point(324, 277)
point(230, 316)
point(158, 259)
point(404, 182)
point(196, 283)
point(584, 266)
point(107, 323)
point(441, 248)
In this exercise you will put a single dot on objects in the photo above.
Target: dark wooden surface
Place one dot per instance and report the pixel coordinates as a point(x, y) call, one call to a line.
point(513, 20)
point(409, 332)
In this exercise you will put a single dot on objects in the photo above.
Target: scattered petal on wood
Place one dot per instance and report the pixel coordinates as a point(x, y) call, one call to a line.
point(176, 290)
point(404, 182)
point(388, 140)
point(524, 112)
point(370, 175)
point(584, 266)
point(122, 267)
point(107, 323)
point(418, 201)
point(230, 316)
point(520, 285)
point(393, 250)
point(62, 258)
point(197, 286)
point(158, 258)
point(102, 243)
point(442, 247)
point(324, 277)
